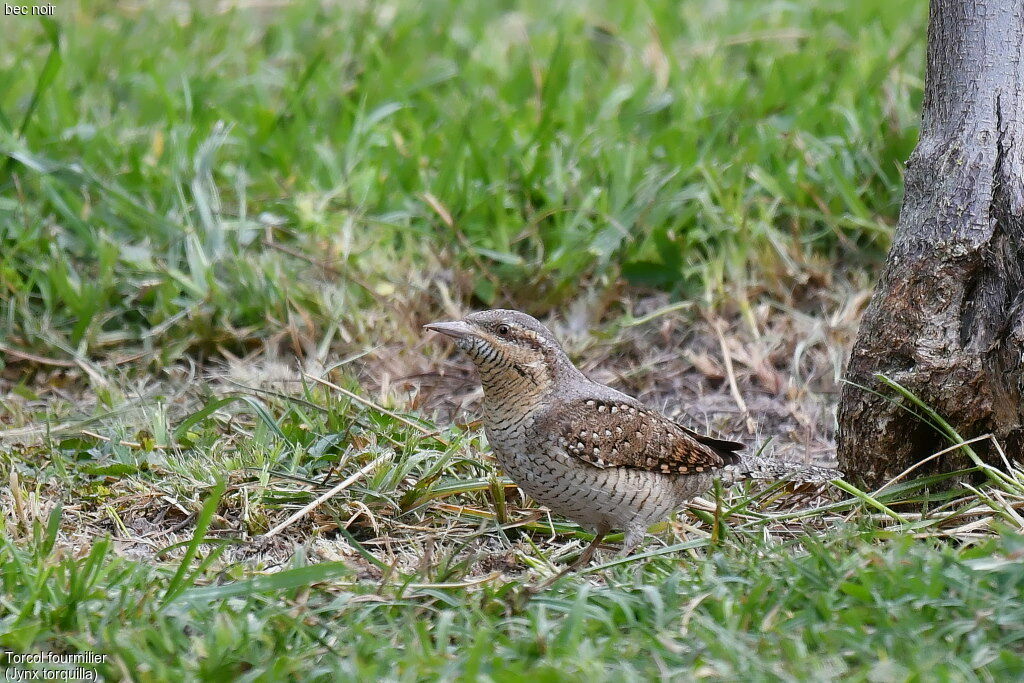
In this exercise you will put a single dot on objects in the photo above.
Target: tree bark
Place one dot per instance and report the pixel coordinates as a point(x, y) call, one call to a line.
point(947, 317)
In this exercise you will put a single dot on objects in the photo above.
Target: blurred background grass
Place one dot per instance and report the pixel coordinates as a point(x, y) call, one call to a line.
point(187, 177)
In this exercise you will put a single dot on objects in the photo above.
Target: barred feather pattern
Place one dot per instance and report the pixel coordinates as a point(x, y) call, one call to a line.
point(759, 467)
point(585, 450)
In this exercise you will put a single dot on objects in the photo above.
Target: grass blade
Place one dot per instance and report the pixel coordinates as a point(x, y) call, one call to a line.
point(271, 583)
point(177, 583)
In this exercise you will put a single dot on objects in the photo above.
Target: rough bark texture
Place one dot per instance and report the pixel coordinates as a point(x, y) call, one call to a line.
point(947, 317)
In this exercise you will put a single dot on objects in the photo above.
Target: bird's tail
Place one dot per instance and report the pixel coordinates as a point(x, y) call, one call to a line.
point(758, 467)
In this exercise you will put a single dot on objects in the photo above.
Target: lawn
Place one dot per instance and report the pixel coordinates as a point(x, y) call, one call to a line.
point(223, 224)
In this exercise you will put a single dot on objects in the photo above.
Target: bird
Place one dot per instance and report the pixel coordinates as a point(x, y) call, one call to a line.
point(587, 451)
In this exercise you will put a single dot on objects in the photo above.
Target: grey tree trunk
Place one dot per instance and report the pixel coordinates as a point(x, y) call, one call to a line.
point(947, 316)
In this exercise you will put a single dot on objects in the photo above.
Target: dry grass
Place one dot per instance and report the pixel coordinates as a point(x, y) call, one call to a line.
point(784, 366)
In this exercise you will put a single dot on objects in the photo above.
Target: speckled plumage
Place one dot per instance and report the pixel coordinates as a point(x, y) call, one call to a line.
point(583, 449)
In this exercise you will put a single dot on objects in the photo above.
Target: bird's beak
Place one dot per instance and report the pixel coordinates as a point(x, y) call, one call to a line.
point(455, 328)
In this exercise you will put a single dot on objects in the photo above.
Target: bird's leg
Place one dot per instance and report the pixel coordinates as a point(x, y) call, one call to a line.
point(580, 561)
point(633, 538)
point(587, 553)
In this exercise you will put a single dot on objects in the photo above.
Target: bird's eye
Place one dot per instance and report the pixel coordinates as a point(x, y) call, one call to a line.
point(504, 329)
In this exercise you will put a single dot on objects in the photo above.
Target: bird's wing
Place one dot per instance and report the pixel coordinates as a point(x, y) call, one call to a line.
point(608, 433)
point(721, 446)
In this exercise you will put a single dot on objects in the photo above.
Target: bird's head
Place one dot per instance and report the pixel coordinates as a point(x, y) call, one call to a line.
point(507, 347)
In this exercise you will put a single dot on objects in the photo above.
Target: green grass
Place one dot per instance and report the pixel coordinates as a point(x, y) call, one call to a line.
point(184, 184)
point(153, 153)
point(416, 571)
point(901, 610)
